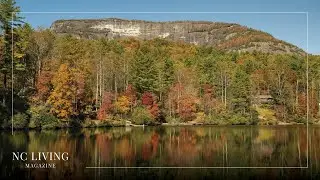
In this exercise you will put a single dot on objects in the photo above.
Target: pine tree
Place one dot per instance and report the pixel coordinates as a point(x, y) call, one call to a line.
point(144, 72)
point(240, 88)
point(166, 77)
point(9, 18)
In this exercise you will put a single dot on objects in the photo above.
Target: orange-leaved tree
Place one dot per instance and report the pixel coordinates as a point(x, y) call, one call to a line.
point(66, 92)
point(187, 108)
point(132, 96)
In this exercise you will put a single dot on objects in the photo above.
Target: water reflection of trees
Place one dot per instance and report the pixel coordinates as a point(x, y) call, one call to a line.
point(202, 146)
point(165, 146)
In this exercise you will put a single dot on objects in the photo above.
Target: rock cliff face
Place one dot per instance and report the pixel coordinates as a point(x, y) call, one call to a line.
point(224, 36)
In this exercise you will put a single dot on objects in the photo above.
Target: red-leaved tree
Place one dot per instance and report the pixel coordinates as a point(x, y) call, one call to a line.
point(43, 86)
point(150, 102)
point(106, 106)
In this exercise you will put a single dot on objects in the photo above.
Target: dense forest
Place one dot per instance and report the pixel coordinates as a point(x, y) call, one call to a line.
point(59, 80)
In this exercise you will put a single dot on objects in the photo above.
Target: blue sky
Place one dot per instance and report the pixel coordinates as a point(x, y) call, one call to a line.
point(289, 27)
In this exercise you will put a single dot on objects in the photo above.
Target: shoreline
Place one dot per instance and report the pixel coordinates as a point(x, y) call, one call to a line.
point(110, 124)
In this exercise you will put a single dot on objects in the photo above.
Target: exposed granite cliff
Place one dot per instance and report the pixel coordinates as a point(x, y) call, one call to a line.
point(225, 36)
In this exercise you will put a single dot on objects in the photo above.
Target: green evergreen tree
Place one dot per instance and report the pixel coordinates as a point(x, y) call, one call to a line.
point(9, 18)
point(23, 61)
point(240, 89)
point(166, 75)
point(144, 71)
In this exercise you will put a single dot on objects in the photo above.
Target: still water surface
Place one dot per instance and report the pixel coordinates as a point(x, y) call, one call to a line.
point(206, 146)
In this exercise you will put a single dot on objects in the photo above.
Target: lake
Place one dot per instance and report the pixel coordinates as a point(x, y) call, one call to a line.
point(162, 149)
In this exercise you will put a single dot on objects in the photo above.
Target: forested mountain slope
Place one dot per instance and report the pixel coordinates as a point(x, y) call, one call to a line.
point(150, 73)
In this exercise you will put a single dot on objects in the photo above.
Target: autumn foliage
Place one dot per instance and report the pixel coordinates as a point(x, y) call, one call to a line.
point(64, 95)
point(131, 94)
point(187, 108)
point(122, 104)
point(106, 106)
point(153, 80)
point(43, 85)
point(150, 102)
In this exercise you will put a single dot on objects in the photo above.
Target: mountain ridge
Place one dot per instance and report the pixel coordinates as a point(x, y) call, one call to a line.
point(221, 35)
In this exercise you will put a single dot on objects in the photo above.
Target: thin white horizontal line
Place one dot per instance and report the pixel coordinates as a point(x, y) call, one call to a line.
point(174, 167)
point(162, 12)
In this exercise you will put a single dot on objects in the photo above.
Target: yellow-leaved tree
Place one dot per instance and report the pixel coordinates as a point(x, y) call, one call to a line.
point(122, 104)
point(64, 94)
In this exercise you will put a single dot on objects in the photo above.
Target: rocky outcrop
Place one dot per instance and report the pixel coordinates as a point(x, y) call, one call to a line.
point(224, 36)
